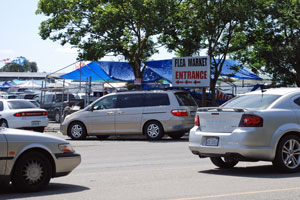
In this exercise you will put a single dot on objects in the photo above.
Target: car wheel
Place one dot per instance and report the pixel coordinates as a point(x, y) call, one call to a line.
point(153, 130)
point(39, 129)
point(224, 163)
point(77, 131)
point(57, 116)
point(176, 136)
point(32, 172)
point(102, 137)
point(287, 157)
point(4, 123)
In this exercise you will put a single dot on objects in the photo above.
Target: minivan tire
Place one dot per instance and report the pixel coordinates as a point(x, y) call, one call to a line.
point(77, 131)
point(153, 130)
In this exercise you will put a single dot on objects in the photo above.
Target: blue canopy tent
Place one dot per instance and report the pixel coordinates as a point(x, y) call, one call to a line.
point(155, 70)
point(5, 85)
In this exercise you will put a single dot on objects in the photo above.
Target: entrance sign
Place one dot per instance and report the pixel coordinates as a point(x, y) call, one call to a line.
point(191, 71)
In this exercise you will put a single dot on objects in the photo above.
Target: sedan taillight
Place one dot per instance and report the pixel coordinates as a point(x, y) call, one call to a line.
point(197, 122)
point(180, 112)
point(31, 114)
point(249, 120)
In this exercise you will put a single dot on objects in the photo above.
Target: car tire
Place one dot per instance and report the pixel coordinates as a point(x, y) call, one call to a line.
point(57, 116)
point(32, 172)
point(287, 158)
point(39, 129)
point(153, 130)
point(3, 123)
point(176, 136)
point(77, 131)
point(102, 137)
point(224, 163)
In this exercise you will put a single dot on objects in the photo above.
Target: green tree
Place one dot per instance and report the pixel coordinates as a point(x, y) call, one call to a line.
point(14, 67)
point(273, 44)
point(207, 24)
point(100, 27)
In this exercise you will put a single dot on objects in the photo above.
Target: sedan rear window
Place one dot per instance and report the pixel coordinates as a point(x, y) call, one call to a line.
point(258, 101)
point(185, 99)
point(20, 105)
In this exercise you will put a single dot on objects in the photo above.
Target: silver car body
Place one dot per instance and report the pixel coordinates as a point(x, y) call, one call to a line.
point(14, 143)
point(219, 133)
point(131, 120)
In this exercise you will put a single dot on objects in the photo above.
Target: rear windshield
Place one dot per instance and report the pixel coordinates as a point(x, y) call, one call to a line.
point(20, 105)
point(258, 101)
point(185, 99)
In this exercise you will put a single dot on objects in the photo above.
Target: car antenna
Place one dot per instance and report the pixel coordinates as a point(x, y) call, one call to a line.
point(262, 89)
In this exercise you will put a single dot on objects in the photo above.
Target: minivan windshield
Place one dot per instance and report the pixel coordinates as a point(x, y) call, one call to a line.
point(257, 101)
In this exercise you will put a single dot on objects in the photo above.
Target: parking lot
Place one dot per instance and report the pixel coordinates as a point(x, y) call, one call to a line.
point(131, 167)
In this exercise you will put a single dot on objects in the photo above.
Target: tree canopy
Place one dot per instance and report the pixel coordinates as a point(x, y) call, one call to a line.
point(272, 45)
point(102, 27)
point(211, 25)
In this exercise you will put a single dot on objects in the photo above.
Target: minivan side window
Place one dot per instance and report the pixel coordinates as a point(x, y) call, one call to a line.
point(130, 100)
point(106, 103)
point(156, 99)
point(1, 106)
point(185, 99)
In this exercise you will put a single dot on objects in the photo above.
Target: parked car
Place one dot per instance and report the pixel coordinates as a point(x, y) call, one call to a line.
point(55, 103)
point(260, 125)
point(152, 113)
point(29, 159)
point(22, 114)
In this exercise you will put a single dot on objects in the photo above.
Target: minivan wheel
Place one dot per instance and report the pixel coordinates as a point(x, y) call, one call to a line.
point(287, 157)
point(77, 131)
point(32, 172)
point(153, 130)
point(224, 163)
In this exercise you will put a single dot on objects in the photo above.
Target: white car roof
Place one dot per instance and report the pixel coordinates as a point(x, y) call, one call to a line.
point(278, 91)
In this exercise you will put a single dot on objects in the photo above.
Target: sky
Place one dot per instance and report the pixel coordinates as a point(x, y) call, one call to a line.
point(19, 37)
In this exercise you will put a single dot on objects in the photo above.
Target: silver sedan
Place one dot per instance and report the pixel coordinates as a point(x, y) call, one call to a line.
point(30, 159)
point(260, 125)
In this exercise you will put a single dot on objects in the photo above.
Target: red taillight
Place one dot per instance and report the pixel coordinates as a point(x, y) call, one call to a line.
point(30, 114)
point(180, 112)
point(249, 120)
point(197, 122)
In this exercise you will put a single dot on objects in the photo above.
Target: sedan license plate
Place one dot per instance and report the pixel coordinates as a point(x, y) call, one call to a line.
point(35, 123)
point(211, 141)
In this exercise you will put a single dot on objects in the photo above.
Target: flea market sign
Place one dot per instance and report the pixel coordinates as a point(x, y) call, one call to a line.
point(191, 71)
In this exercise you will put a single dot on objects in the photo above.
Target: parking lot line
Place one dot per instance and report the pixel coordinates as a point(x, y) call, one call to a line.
point(240, 193)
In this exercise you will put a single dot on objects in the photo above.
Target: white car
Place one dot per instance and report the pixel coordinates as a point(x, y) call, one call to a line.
point(260, 125)
point(30, 159)
point(22, 114)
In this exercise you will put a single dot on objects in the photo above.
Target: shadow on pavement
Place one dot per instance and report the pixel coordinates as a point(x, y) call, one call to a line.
point(52, 189)
point(262, 171)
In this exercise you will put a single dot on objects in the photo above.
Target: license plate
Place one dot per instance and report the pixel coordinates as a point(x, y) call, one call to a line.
point(35, 123)
point(211, 141)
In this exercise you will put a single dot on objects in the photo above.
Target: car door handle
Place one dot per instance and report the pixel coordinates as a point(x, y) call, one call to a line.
point(110, 113)
point(120, 112)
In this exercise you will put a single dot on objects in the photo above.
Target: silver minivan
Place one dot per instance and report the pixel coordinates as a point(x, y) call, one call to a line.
point(152, 113)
